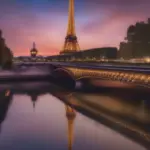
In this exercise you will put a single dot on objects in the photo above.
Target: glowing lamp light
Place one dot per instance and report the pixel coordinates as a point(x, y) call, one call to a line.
point(147, 60)
point(33, 52)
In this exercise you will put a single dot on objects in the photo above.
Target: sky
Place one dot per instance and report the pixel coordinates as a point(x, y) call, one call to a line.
point(98, 23)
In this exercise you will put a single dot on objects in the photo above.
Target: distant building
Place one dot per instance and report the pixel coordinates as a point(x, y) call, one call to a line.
point(6, 56)
point(137, 43)
point(29, 59)
point(23, 58)
point(104, 52)
point(33, 51)
point(97, 53)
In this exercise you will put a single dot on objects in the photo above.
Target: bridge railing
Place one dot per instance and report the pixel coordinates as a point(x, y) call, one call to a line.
point(92, 60)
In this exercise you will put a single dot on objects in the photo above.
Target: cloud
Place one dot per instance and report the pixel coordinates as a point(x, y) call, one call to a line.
point(21, 26)
point(111, 18)
point(98, 22)
point(117, 3)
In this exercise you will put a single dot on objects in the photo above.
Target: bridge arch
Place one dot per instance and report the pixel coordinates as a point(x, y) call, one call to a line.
point(64, 78)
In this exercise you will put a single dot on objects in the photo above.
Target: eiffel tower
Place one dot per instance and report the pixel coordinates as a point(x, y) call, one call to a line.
point(71, 43)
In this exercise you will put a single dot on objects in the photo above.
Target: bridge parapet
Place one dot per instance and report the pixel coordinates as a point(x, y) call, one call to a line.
point(127, 77)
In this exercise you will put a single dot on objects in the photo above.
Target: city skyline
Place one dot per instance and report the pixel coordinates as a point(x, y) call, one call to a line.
point(98, 23)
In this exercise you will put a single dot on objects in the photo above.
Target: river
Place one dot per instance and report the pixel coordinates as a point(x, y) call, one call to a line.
point(31, 117)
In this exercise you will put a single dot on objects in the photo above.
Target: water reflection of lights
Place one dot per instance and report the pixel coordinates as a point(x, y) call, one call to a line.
point(7, 93)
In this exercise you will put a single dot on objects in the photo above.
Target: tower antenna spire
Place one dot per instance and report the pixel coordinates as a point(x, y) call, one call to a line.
point(71, 20)
point(34, 45)
point(71, 43)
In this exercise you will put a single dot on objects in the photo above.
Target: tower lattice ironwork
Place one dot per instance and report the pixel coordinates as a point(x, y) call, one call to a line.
point(71, 42)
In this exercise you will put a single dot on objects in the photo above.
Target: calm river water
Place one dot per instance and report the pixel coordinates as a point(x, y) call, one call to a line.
point(31, 118)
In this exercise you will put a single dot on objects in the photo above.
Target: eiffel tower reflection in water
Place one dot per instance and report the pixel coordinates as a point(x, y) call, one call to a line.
point(70, 114)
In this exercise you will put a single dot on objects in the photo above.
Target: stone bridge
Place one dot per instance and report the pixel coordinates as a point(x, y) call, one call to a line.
point(72, 75)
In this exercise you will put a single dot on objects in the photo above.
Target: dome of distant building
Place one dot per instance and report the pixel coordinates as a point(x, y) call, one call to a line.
point(33, 51)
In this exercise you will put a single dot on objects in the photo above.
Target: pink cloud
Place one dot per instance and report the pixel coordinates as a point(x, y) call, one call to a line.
point(109, 30)
point(101, 23)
